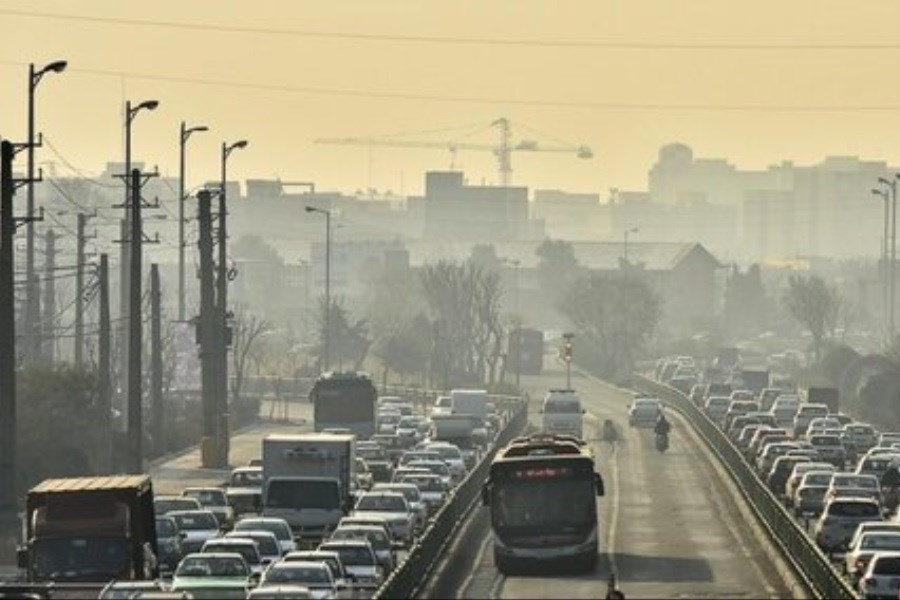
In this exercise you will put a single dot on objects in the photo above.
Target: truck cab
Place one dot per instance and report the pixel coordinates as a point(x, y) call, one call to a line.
point(90, 529)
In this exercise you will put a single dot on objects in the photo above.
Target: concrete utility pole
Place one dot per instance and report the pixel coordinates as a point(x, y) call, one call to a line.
point(48, 321)
point(207, 327)
point(156, 395)
point(79, 289)
point(7, 334)
point(135, 328)
point(104, 363)
point(892, 268)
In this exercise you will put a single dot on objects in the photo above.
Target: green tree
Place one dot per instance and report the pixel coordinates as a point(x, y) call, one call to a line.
point(745, 302)
point(59, 423)
point(557, 268)
point(614, 316)
point(815, 305)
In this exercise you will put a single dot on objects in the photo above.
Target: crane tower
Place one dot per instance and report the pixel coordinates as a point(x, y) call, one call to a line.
point(503, 150)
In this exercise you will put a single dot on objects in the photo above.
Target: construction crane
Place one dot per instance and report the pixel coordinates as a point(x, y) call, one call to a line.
point(503, 150)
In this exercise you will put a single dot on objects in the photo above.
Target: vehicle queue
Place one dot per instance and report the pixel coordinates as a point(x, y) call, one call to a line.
point(213, 542)
point(838, 476)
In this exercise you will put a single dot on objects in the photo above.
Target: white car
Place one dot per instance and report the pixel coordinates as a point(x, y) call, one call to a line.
point(246, 547)
point(279, 527)
point(431, 487)
point(644, 412)
point(453, 456)
point(839, 519)
point(392, 505)
point(197, 527)
point(414, 498)
point(866, 545)
point(214, 500)
point(359, 560)
point(266, 543)
point(314, 575)
point(881, 579)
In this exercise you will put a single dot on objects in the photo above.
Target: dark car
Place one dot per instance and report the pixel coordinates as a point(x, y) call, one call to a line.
point(168, 542)
point(781, 471)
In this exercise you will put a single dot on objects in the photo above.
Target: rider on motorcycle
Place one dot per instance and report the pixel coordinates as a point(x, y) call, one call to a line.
point(610, 433)
point(662, 426)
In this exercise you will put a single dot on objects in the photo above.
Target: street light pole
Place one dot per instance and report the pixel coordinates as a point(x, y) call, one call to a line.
point(627, 231)
point(884, 253)
point(31, 292)
point(222, 306)
point(326, 350)
point(126, 249)
point(185, 134)
point(892, 185)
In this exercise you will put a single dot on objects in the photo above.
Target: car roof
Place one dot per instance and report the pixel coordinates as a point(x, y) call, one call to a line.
point(196, 511)
point(350, 542)
point(298, 563)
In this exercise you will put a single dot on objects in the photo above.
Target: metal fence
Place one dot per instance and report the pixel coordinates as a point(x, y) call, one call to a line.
point(809, 562)
point(411, 576)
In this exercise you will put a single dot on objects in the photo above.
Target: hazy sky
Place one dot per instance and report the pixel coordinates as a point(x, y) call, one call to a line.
point(610, 74)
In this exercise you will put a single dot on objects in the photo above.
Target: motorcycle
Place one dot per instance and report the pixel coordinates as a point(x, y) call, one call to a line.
point(662, 441)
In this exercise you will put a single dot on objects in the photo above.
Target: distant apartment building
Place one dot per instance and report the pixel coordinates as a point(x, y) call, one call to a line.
point(570, 216)
point(451, 209)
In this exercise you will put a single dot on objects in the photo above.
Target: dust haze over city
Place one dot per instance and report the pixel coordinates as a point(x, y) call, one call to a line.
point(210, 206)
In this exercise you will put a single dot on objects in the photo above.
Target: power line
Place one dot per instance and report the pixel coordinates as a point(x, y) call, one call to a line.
point(451, 99)
point(459, 40)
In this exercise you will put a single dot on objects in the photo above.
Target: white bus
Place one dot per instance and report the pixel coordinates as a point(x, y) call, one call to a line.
point(543, 492)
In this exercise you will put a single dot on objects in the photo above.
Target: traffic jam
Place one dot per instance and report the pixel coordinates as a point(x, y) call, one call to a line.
point(837, 476)
point(282, 526)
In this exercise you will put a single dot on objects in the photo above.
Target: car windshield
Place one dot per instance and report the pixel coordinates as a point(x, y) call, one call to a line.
point(854, 481)
point(562, 406)
point(281, 530)
point(352, 555)
point(196, 521)
point(377, 538)
point(886, 565)
point(853, 509)
point(425, 484)
point(410, 493)
point(880, 542)
point(247, 478)
point(248, 551)
point(61, 559)
point(435, 467)
point(213, 566)
point(382, 502)
point(163, 506)
point(207, 497)
point(288, 573)
point(268, 546)
point(371, 453)
point(448, 452)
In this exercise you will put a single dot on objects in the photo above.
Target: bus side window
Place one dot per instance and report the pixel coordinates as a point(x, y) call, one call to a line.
point(486, 494)
point(601, 490)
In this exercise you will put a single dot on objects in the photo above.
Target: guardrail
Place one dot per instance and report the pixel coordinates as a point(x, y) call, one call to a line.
point(411, 576)
point(809, 562)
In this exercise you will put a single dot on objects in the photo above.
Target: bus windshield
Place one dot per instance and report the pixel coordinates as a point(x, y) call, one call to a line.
point(530, 499)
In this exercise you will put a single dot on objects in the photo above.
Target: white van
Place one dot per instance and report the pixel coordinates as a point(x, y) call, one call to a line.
point(562, 413)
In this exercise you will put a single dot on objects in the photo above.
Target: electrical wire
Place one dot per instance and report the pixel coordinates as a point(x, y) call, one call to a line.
point(455, 40)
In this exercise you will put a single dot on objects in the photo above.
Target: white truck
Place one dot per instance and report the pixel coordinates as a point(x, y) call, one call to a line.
point(307, 481)
point(474, 404)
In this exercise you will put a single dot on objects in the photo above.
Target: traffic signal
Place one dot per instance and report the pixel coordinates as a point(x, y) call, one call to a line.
point(567, 350)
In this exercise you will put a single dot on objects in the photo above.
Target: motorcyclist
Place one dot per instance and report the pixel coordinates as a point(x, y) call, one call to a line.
point(662, 427)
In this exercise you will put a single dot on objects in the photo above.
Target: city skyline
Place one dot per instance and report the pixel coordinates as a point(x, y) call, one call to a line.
point(610, 76)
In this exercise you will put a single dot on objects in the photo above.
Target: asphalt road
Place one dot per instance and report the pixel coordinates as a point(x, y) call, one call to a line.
point(671, 526)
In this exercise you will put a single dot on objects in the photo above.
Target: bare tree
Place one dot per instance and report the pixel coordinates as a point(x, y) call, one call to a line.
point(247, 330)
point(815, 305)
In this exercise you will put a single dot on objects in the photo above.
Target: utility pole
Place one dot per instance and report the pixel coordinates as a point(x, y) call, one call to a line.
point(105, 365)
point(79, 288)
point(221, 338)
point(135, 240)
point(48, 322)
point(207, 327)
point(156, 398)
point(183, 138)
point(7, 334)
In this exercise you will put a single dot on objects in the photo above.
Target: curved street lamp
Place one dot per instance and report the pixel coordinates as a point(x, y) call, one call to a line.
point(182, 142)
point(31, 308)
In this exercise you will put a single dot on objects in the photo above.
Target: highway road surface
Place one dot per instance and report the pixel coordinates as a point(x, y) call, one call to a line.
point(671, 526)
